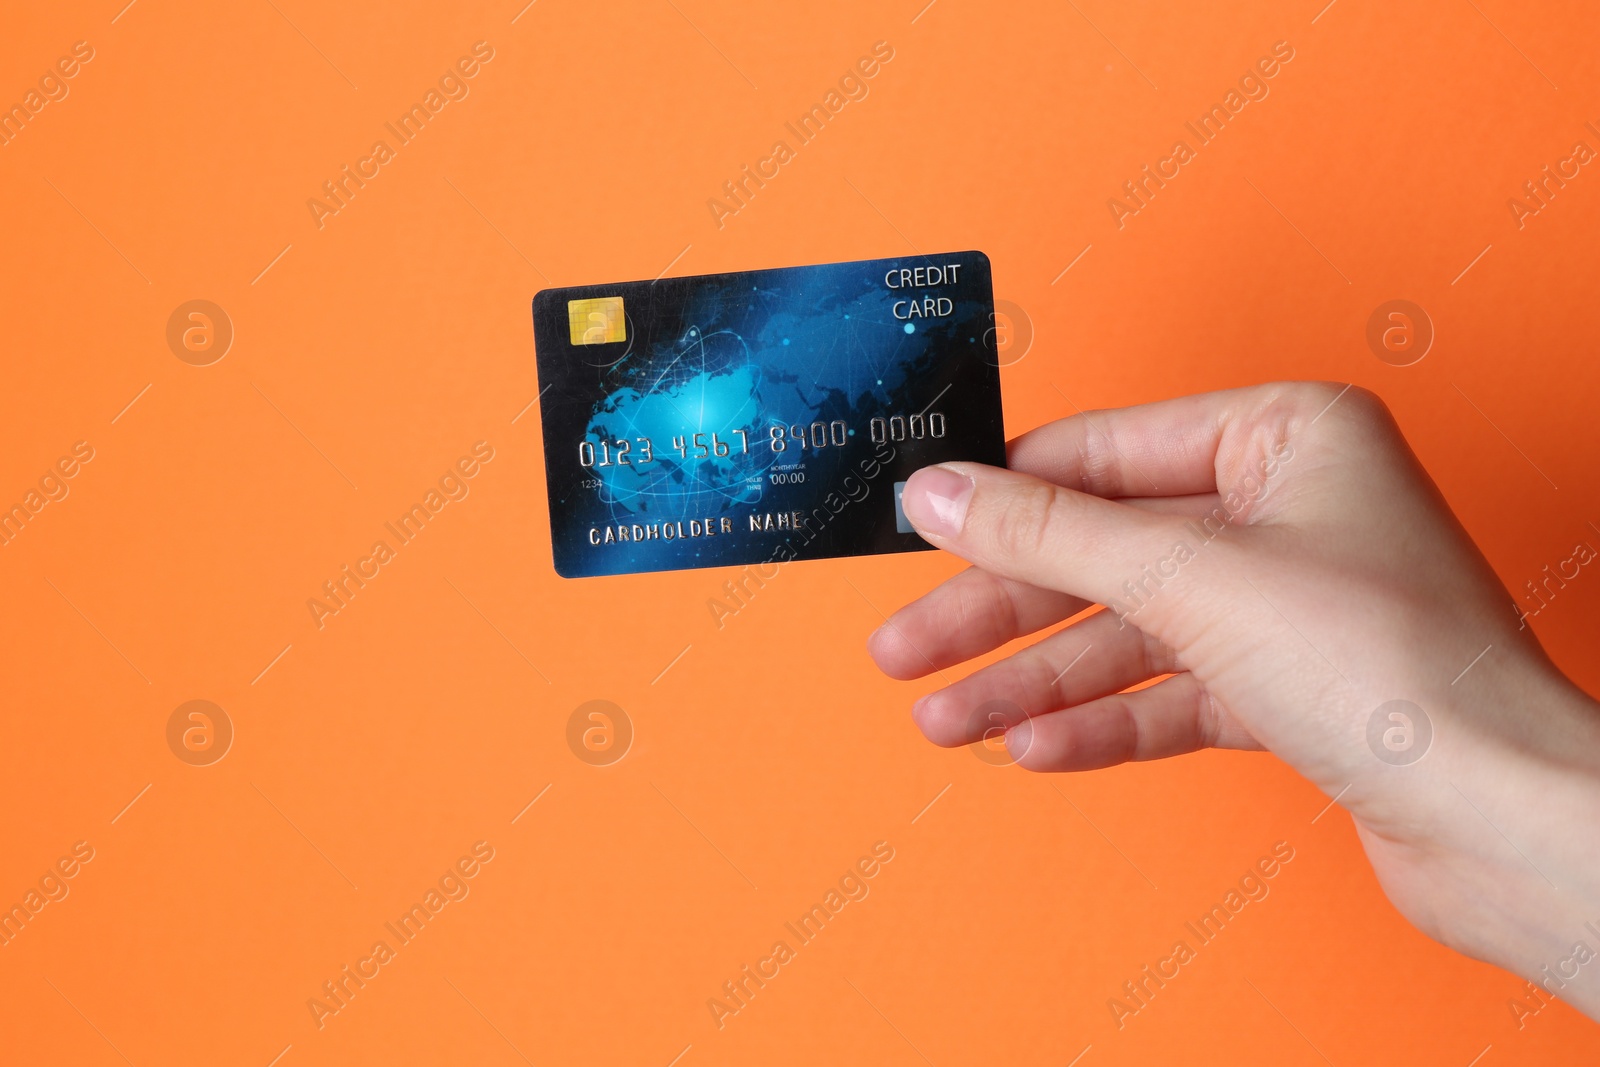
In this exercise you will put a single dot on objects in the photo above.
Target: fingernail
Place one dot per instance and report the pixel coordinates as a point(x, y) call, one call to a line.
point(935, 500)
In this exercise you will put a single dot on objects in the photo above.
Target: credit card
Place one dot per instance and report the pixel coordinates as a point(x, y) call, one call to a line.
point(760, 417)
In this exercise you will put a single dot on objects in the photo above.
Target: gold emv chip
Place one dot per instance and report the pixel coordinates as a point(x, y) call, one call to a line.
point(598, 321)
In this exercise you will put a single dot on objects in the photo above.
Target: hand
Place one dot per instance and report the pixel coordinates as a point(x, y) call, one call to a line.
point(1282, 556)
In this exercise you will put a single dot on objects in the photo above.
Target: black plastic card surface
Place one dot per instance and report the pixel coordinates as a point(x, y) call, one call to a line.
point(760, 416)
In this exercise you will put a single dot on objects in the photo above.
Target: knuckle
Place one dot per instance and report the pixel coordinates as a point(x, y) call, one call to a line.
point(988, 609)
point(1282, 415)
point(1366, 405)
point(1316, 397)
point(1366, 400)
point(1208, 718)
point(1098, 469)
point(1158, 657)
point(1043, 676)
point(1022, 521)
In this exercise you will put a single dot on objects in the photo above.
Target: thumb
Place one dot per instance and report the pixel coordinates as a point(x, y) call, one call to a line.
point(1033, 531)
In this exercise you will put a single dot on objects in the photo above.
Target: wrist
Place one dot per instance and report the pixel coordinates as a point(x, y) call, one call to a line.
point(1521, 780)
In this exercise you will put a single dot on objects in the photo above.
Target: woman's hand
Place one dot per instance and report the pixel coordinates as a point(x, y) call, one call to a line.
point(1282, 556)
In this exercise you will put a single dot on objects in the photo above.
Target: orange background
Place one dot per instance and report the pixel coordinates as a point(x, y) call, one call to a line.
point(427, 714)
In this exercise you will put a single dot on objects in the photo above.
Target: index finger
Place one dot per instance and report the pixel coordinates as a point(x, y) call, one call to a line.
point(1166, 448)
